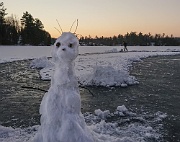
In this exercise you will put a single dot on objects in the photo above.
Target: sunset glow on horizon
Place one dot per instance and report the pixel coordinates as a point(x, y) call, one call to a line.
point(103, 17)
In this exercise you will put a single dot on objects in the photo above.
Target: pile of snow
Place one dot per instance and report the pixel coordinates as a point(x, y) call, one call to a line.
point(124, 129)
point(108, 76)
point(122, 108)
point(102, 114)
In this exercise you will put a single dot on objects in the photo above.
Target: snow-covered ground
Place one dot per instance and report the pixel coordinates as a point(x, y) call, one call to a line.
point(95, 66)
point(120, 131)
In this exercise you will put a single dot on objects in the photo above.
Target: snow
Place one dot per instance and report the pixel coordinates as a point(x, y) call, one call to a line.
point(102, 114)
point(94, 66)
point(102, 130)
point(8, 134)
point(122, 108)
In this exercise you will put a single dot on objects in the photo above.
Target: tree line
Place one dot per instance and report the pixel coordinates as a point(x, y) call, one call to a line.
point(26, 31)
point(132, 39)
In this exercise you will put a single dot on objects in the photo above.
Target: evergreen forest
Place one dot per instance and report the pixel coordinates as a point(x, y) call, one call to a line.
point(26, 31)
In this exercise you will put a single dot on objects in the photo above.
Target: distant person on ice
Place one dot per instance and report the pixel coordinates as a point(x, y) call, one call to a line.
point(125, 46)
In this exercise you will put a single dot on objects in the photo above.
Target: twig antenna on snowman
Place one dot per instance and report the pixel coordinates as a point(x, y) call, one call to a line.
point(61, 31)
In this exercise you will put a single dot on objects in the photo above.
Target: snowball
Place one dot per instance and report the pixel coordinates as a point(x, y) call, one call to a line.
point(124, 85)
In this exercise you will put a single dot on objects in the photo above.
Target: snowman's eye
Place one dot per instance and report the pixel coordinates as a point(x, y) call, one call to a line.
point(58, 44)
point(70, 45)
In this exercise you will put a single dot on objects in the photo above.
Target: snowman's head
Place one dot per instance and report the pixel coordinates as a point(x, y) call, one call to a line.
point(65, 48)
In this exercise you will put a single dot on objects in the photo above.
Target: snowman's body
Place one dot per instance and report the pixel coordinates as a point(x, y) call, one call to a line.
point(61, 117)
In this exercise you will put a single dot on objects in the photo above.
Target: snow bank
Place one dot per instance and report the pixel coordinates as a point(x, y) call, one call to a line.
point(111, 69)
point(130, 127)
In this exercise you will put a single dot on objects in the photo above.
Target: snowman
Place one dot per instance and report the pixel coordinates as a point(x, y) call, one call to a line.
point(60, 109)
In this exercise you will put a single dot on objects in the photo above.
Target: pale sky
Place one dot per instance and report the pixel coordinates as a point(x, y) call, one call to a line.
point(102, 17)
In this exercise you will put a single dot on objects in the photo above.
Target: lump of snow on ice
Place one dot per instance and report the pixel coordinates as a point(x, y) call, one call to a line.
point(123, 111)
point(47, 73)
point(40, 63)
point(122, 108)
point(102, 114)
point(160, 116)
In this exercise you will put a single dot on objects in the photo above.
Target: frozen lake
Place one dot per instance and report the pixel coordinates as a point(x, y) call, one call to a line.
point(150, 111)
point(10, 53)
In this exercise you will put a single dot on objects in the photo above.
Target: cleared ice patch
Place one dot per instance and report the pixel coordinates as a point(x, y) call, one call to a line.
point(121, 125)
